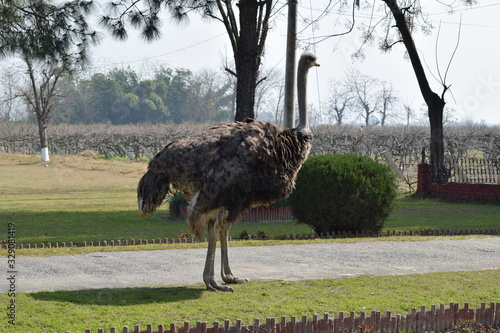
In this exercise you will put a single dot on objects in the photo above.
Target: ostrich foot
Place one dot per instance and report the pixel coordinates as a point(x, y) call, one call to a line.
point(214, 286)
point(230, 279)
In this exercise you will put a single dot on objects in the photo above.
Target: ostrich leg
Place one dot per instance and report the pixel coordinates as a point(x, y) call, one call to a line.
point(208, 272)
point(227, 275)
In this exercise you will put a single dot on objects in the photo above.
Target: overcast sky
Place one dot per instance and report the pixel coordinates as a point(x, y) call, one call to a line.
point(474, 74)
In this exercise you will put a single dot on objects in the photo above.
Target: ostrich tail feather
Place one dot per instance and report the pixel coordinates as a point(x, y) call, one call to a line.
point(152, 189)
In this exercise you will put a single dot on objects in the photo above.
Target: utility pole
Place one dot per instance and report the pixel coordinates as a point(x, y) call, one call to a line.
point(291, 45)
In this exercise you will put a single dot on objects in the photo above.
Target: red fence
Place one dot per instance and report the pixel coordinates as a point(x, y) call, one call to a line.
point(455, 190)
point(436, 319)
point(257, 214)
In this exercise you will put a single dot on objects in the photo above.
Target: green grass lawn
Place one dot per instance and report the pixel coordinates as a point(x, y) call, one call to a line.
point(412, 212)
point(61, 311)
point(86, 199)
point(83, 198)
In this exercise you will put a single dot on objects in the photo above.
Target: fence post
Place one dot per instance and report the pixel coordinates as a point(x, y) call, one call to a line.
point(481, 314)
point(146, 152)
point(215, 327)
point(392, 164)
point(423, 179)
point(293, 323)
point(496, 319)
point(126, 152)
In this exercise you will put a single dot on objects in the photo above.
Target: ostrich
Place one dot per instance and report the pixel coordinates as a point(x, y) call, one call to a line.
point(227, 169)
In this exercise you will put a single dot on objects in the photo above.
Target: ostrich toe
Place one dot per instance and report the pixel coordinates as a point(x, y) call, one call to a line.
point(214, 286)
point(230, 279)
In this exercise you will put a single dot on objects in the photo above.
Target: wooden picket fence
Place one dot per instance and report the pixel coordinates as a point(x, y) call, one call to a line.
point(435, 319)
point(267, 214)
point(257, 214)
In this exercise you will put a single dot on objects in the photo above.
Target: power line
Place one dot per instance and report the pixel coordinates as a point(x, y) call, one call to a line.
point(168, 53)
point(473, 25)
point(311, 10)
point(314, 47)
point(467, 9)
point(362, 15)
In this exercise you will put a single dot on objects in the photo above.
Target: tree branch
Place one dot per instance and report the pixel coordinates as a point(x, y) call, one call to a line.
point(227, 69)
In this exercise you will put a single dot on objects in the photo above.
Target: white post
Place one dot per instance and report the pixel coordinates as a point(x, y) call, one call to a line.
point(45, 154)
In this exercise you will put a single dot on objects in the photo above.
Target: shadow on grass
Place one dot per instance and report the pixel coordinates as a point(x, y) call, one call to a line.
point(121, 296)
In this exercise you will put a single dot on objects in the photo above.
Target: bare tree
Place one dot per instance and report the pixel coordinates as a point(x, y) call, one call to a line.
point(449, 116)
point(388, 100)
point(279, 104)
point(408, 113)
point(268, 94)
point(8, 95)
point(40, 94)
point(54, 36)
point(366, 96)
point(406, 18)
point(340, 101)
point(435, 103)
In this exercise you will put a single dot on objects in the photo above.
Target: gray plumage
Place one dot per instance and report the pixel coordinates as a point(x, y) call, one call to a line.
point(227, 169)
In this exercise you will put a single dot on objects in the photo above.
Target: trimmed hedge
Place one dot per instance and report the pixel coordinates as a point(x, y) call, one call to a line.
point(344, 192)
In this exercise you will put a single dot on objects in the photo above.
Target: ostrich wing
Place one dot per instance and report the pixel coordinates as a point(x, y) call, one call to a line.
point(235, 165)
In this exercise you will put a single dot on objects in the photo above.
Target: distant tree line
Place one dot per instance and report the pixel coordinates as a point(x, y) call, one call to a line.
point(169, 96)
point(123, 96)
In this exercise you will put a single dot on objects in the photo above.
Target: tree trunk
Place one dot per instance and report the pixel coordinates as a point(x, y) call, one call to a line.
point(248, 60)
point(33, 100)
point(367, 116)
point(435, 103)
point(44, 143)
point(435, 107)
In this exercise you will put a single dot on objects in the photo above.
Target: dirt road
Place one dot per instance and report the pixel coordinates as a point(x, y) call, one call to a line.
point(287, 262)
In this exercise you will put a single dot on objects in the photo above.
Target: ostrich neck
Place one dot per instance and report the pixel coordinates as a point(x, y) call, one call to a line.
point(301, 96)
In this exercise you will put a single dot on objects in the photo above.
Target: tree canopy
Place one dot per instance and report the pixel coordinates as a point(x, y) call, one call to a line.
point(247, 33)
point(171, 95)
point(58, 34)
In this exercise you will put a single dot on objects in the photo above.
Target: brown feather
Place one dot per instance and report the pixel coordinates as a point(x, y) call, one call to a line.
point(233, 165)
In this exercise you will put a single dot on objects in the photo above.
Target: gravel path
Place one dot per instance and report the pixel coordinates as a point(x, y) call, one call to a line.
point(287, 262)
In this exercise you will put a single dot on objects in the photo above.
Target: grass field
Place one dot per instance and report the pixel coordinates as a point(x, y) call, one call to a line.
point(81, 198)
point(78, 198)
point(74, 311)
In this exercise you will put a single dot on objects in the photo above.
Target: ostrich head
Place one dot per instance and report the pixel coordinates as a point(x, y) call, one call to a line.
point(307, 60)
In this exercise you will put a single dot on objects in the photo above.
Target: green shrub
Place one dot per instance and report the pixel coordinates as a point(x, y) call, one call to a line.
point(176, 202)
point(244, 235)
point(344, 192)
